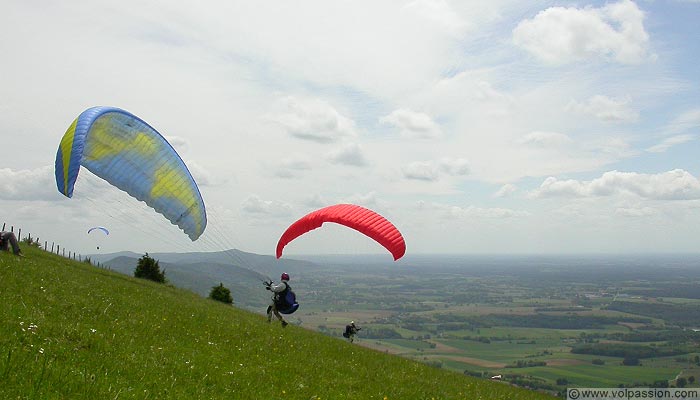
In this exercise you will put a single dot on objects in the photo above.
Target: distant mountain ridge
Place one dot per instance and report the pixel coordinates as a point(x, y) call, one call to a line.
point(239, 271)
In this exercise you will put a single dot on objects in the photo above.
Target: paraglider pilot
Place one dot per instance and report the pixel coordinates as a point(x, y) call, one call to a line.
point(351, 331)
point(8, 239)
point(278, 302)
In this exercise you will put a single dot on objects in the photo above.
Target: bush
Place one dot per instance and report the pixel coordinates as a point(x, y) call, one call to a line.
point(630, 361)
point(221, 293)
point(148, 268)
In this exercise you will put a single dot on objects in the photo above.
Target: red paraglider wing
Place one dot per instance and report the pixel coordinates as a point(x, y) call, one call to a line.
point(359, 218)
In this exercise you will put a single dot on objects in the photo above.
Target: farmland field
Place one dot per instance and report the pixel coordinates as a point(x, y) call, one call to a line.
point(552, 322)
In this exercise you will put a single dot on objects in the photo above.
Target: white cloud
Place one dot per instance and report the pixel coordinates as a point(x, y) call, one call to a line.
point(560, 35)
point(455, 212)
point(672, 185)
point(201, 175)
point(440, 13)
point(635, 212)
point(289, 167)
point(434, 170)
point(316, 201)
point(688, 120)
point(255, 205)
point(506, 190)
point(546, 139)
point(28, 184)
point(368, 200)
point(670, 142)
point(413, 124)
point(421, 170)
point(605, 109)
point(348, 154)
point(315, 120)
point(180, 144)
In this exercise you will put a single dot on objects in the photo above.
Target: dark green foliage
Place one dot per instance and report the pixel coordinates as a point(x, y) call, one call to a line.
point(148, 268)
point(598, 361)
point(527, 363)
point(380, 333)
point(691, 379)
point(628, 350)
point(677, 336)
point(679, 314)
point(221, 293)
point(630, 361)
point(681, 382)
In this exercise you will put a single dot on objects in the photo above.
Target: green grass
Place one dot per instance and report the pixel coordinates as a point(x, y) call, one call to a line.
point(69, 330)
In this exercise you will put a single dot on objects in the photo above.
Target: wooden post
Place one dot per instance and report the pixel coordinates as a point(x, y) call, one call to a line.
point(19, 234)
point(52, 247)
point(3, 227)
point(64, 252)
point(58, 249)
point(46, 245)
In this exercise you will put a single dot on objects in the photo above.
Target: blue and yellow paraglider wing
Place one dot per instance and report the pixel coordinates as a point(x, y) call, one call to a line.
point(129, 154)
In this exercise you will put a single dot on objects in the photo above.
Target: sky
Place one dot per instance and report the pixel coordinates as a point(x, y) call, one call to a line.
point(500, 127)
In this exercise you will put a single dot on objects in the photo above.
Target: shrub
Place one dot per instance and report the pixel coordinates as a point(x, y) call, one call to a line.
point(630, 361)
point(148, 268)
point(221, 293)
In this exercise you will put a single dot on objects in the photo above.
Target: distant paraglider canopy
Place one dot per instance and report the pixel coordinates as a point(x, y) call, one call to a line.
point(359, 218)
point(99, 228)
point(128, 153)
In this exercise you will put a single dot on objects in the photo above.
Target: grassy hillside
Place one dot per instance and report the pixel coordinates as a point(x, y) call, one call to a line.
point(70, 330)
point(200, 277)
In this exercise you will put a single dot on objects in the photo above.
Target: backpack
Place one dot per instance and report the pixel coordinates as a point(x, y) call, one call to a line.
point(287, 301)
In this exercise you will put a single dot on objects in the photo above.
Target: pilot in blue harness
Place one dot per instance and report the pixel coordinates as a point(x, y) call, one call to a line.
point(283, 300)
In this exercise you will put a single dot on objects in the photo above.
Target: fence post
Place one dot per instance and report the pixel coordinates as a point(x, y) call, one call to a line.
point(64, 252)
point(46, 245)
point(3, 226)
point(52, 247)
point(58, 249)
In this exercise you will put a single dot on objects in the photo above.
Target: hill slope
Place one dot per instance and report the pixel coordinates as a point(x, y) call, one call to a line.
point(70, 330)
point(201, 277)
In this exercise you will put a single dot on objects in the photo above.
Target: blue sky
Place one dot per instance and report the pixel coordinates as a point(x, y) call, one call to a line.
point(476, 127)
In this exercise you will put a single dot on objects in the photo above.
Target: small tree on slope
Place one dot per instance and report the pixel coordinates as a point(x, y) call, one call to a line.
point(221, 293)
point(147, 268)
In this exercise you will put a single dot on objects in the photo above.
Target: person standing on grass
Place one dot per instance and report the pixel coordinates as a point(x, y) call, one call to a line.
point(351, 331)
point(8, 239)
point(278, 299)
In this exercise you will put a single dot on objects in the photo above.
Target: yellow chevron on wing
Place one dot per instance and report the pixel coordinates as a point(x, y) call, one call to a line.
point(106, 140)
point(66, 147)
point(173, 182)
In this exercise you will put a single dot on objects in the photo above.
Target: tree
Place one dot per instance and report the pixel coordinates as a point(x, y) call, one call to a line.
point(691, 379)
point(681, 382)
point(221, 293)
point(630, 360)
point(148, 268)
